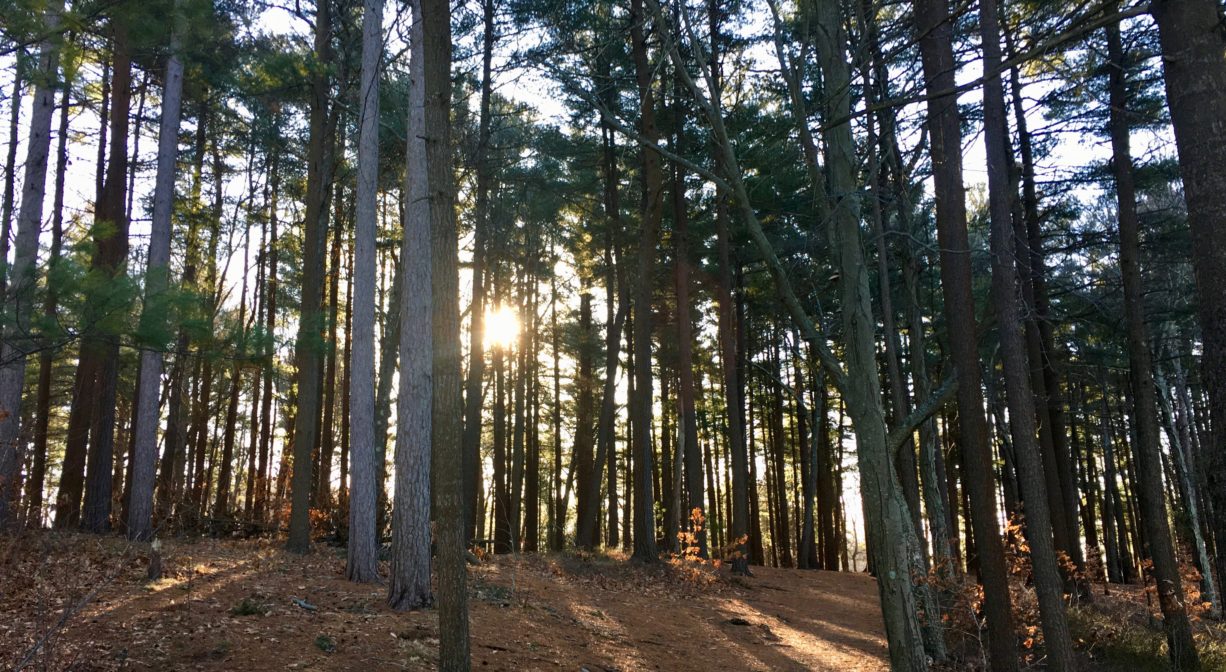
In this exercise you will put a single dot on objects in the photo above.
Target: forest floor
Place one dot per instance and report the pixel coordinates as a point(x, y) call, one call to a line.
point(82, 602)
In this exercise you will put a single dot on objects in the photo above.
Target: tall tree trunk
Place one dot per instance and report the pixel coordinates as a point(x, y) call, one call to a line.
point(342, 494)
point(781, 536)
point(473, 406)
point(532, 458)
point(502, 495)
point(1087, 473)
point(1195, 75)
point(1147, 450)
point(807, 544)
point(687, 419)
point(1117, 554)
point(1185, 455)
point(389, 353)
point(257, 317)
point(263, 482)
point(18, 291)
point(308, 349)
point(410, 579)
point(327, 431)
point(900, 404)
point(618, 308)
point(1179, 439)
point(891, 535)
point(174, 452)
point(1019, 396)
point(100, 349)
point(363, 555)
point(225, 476)
point(519, 428)
point(435, 18)
point(727, 331)
point(1051, 399)
point(936, 47)
point(558, 501)
point(42, 412)
point(649, 233)
point(583, 460)
point(10, 162)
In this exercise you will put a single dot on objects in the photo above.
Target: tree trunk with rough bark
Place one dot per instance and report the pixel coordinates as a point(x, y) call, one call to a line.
point(936, 34)
point(1019, 396)
point(1147, 450)
point(434, 17)
point(1195, 73)
point(308, 347)
point(363, 553)
point(411, 534)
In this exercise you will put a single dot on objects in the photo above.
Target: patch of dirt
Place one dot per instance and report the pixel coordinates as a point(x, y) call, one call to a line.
point(228, 604)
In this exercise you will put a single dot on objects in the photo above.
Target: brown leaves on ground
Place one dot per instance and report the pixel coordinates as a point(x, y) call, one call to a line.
point(225, 604)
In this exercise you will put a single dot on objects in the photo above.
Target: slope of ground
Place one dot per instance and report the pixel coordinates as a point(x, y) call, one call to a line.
point(75, 601)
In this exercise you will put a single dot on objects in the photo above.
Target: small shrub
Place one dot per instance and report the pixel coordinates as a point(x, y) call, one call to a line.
point(250, 606)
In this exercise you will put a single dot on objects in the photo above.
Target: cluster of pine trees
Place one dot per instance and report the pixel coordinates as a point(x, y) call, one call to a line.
point(677, 277)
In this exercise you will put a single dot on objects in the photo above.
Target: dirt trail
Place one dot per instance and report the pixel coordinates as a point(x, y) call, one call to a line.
point(247, 605)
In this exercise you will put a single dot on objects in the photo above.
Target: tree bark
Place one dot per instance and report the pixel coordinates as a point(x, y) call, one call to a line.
point(649, 233)
point(618, 307)
point(42, 412)
point(687, 419)
point(434, 17)
point(411, 538)
point(362, 563)
point(308, 347)
point(18, 291)
point(100, 348)
point(157, 280)
point(327, 432)
point(1019, 396)
point(476, 350)
point(10, 162)
point(936, 34)
point(1195, 75)
point(263, 481)
point(1147, 449)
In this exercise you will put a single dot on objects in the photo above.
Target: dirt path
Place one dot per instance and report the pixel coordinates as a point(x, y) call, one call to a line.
point(248, 605)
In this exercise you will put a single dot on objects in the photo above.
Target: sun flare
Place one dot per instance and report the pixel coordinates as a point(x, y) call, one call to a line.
point(501, 327)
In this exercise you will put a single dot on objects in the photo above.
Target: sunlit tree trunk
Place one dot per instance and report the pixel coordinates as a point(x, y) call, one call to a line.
point(327, 431)
point(410, 579)
point(618, 307)
point(157, 279)
point(46, 360)
point(18, 291)
point(263, 481)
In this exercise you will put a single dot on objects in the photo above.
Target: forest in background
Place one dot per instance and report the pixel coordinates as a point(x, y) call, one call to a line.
point(923, 289)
